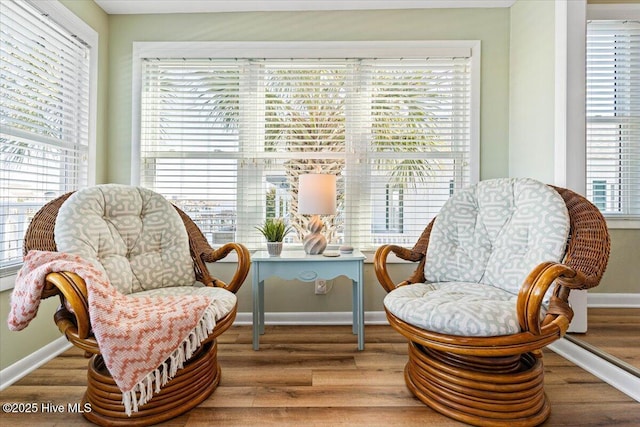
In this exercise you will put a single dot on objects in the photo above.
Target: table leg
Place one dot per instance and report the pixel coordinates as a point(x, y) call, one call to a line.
point(256, 307)
point(261, 301)
point(360, 292)
point(354, 306)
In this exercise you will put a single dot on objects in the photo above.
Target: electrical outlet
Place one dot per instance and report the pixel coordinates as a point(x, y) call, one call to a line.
point(321, 287)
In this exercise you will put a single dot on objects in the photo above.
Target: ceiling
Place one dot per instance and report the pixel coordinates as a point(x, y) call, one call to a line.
point(118, 7)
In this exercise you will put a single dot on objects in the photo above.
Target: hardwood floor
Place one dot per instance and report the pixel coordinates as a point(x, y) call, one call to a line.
point(615, 331)
point(314, 376)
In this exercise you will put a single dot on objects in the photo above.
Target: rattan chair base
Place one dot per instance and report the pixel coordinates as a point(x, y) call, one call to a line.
point(189, 387)
point(495, 391)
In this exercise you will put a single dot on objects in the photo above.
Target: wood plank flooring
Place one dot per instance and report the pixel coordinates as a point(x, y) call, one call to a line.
point(314, 376)
point(615, 331)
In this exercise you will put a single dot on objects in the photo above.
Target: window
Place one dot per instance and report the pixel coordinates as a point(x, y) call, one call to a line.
point(45, 81)
point(227, 138)
point(613, 117)
point(393, 221)
point(599, 199)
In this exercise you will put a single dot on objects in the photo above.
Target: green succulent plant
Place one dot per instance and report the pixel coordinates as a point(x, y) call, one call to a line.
point(274, 229)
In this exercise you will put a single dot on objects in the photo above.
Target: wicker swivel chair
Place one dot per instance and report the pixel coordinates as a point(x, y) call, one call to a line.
point(201, 373)
point(477, 364)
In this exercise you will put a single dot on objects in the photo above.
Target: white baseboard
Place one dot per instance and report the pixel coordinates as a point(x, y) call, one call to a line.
point(630, 300)
point(22, 367)
point(624, 381)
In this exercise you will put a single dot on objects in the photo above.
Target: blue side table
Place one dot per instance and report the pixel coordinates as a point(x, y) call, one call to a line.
point(307, 268)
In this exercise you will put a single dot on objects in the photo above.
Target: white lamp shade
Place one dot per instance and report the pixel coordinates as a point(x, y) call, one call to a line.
point(317, 194)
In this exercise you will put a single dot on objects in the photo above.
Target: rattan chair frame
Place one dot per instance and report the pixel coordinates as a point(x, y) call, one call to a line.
point(192, 384)
point(446, 371)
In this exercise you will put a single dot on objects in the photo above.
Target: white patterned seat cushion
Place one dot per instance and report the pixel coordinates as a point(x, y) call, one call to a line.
point(223, 300)
point(496, 232)
point(456, 308)
point(136, 235)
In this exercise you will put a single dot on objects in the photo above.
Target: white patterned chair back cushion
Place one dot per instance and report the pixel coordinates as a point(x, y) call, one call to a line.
point(136, 235)
point(496, 232)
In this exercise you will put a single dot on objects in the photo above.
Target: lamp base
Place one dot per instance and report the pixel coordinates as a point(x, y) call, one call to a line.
point(314, 242)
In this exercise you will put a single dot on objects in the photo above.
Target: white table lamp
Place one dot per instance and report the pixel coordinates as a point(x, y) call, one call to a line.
point(316, 196)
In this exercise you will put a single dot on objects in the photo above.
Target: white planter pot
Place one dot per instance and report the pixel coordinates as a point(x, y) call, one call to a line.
point(274, 248)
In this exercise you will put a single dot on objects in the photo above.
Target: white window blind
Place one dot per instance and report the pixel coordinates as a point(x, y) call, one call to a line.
point(613, 117)
point(226, 139)
point(44, 118)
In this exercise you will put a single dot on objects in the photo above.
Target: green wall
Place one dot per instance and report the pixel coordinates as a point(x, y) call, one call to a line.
point(41, 331)
point(623, 269)
point(532, 90)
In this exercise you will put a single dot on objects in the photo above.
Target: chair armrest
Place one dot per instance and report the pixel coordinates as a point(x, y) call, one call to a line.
point(72, 317)
point(380, 264)
point(532, 293)
point(242, 270)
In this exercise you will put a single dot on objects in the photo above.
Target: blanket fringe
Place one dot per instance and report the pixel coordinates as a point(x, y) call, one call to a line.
point(143, 391)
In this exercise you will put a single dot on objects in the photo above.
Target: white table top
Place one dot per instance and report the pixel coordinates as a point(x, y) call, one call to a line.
point(300, 255)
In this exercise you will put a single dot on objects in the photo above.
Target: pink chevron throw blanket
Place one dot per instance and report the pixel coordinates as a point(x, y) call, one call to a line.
point(143, 340)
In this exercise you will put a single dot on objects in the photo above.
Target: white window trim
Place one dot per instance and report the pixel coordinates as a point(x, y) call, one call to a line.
point(613, 12)
point(372, 49)
point(70, 21)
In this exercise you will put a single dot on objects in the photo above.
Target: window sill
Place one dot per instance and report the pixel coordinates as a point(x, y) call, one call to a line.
point(619, 223)
point(8, 277)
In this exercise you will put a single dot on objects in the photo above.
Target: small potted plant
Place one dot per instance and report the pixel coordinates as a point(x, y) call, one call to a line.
point(274, 230)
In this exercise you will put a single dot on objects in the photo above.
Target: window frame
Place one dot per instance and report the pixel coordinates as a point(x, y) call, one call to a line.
point(66, 19)
point(615, 12)
point(303, 50)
